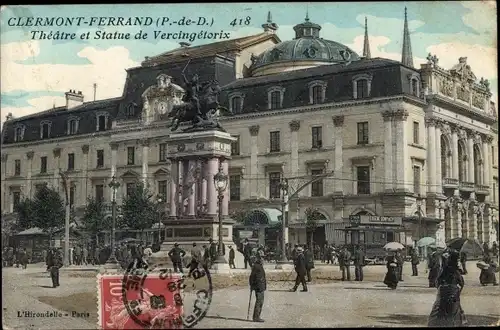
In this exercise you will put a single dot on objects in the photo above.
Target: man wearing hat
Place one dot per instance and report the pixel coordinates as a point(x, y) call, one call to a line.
point(196, 258)
point(344, 263)
point(176, 254)
point(231, 257)
point(247, 253)
point(300, 269)
point(258, 284)
point(212, 250)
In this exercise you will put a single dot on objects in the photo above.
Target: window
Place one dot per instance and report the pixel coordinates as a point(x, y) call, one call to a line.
point(274, 141)
point(416, 132)
point(274, 185)
point(71, 162)
point(130, 188)
point(72, 126)
point(16, 199)
point(45, 130)
point(100, 158)
point(162, 157)
point(363, 178)
point(317, 94)
point(43, 164)
point(101, 123)
point(235, 147)
point(17, 167)
point(390, 236)
point(275, 100)
point(99, 193)
point(414, 87)
point(416, 179)
point(130, 155)
point(19, 134)
point(317, 137)
point(234, 187)
point(236, 104)
point(362, 88)
point(162, 189)
point(317, 186)
point(72, 191)
point(363, 133)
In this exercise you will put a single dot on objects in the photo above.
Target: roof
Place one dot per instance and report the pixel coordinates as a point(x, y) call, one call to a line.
point(318, 71)
point(31, 231)
point(211, 49)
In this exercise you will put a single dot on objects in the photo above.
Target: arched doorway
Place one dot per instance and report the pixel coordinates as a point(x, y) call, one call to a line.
point(315, 230)
point(260, 226)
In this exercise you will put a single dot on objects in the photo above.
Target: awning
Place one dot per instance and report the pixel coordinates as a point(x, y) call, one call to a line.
point(263, 216)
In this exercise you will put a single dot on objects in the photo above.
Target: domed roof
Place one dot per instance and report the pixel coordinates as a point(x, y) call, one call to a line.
point(306, 46)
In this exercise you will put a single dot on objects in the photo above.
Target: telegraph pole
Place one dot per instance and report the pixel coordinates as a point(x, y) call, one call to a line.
point(66, 217)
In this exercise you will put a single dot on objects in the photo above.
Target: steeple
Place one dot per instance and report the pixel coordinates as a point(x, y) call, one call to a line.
point(366, 44)
point(307, 29)
point(406, 56)
point(269, 26)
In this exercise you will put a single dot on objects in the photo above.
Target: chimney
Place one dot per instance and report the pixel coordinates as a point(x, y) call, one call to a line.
point(73, 99)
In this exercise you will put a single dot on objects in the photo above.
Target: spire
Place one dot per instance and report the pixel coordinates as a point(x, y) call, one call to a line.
point(406, 56)
point(269, 17)
point(307, 14)
point(269, 26)
point(366, 44)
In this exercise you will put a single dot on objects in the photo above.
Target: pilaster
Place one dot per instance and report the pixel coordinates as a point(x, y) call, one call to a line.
point(338, 122)
point(191, 182)
point(85, 187)
point(212, 168)
point(388, 142)
point(487, 165)
point(29, 184)
point(145, 161)
point(254, 169)
point(174, 183)
point(57, 166)
point(438, 174)
point(294, 145)
point(402, 162)
point(470, 158)
point(431, 154)
point(454, 151)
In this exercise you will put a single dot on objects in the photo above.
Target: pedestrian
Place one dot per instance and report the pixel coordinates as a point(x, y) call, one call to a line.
point(324, 252)
point(344, 263)
point(247, 252)
point(77, 255)
point(391, 278)
point(294, 251)
point(463, 262)
point(176, 254)
point(54, 262)
point(309, 262)
point(196, 259)
point(206, 257)
point(24, 258)
point(258, 284)
point(434, 266)
point(85, 255)
point(71, 255)
point(359, 263)
point(212, 249)
point(231, 258)
point(447, 310)
point(487, 275)
point(400, 261)
point(300, 269)
point(415, 260)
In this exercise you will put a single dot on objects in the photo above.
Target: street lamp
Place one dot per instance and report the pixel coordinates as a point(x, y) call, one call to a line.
point(284, 218)
point(419, 210)
point(114, 184)
point(220, 182)
point(160, 201)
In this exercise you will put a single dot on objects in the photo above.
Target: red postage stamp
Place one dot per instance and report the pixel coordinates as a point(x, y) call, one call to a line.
point(140, 301)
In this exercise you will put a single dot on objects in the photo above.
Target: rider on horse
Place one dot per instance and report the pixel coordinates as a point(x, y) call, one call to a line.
point(192, 91)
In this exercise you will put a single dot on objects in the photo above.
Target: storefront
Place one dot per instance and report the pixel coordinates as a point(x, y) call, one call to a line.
point(373, 232)
point(260, 226)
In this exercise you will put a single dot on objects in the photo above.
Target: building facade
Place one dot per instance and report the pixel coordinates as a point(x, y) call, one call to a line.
point(389, 139)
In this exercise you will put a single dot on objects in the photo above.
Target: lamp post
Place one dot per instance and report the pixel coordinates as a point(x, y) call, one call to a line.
point(160, 201)
point(220, 182)
point(419, 208)
point(284, 218)
point(114, 184)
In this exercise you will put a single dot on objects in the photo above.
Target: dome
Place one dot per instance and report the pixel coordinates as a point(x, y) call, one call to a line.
point(307, 46)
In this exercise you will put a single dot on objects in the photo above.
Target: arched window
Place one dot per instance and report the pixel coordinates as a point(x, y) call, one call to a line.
point(275, 97)
point(236, 104)
point(362, 88)
point(414, 86)
point(317, 96)
point(461, 162)
point(275, 100)
point(445, 158)
point(361, 85)
point(317, 91)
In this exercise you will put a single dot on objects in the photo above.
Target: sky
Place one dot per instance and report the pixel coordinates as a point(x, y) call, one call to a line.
point(36, 73)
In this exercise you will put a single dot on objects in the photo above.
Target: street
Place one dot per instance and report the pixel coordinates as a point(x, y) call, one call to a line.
point(337, 304)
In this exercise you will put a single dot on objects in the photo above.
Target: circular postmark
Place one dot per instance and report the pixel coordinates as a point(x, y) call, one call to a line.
point(156, 297)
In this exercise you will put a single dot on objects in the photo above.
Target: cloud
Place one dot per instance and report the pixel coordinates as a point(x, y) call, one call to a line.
point(482, 16)
point(35, 105)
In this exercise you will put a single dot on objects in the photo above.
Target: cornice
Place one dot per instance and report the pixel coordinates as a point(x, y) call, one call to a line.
point(464, 108)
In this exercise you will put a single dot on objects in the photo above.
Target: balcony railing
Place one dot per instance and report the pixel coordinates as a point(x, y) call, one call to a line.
point(467, 186)
point(482, 189)
point(450, 183)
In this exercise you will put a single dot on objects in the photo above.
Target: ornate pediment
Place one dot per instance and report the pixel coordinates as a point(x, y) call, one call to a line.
point(162, 172)
point(159, 100)
point(130, 174)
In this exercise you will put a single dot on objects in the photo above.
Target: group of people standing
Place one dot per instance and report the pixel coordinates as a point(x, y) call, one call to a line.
point(10, 258)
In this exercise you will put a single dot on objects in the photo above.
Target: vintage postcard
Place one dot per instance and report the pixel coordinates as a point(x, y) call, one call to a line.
point(234, 165)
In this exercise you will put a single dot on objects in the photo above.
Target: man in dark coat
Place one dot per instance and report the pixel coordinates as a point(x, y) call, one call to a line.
point(247, 253)
point(344, 263)
point(212, 251)
point(206, 257)
point(300, 269)
point(434, 265)
point(176, 254)
point(231, 257)
point(196, 259)
point(414, 262)
point(400, 261)
point(463, 262)
point(294, 251)
point(258, 284)
point(359, 263)
point(54, 262)
point(309, 256)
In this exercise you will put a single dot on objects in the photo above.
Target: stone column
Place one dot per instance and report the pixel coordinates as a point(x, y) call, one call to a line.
point(85, 187)
point(145, 161)
point(204, 193)
point(400, 117)
point(454, 152)
point(338, 122)
point(458, 213)
point(114, 159)
point(431, 155)
point(192, 189)
point(57, 165)
point(473, 221)
point(174, 182)
point(486, 164)
point(5, 196)
point(294, 146)
point(489, 220)
point(225, 201)
point(212, 169)
point(254, 169)
point(388, 161)
point(470, 158)
point(439, 175)
point(181, 175)
point(29, 184)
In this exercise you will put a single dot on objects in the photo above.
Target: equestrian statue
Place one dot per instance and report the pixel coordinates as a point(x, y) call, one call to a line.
point(200, 106)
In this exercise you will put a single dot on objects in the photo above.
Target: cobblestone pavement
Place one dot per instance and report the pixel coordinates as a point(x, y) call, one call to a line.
point(339, 304)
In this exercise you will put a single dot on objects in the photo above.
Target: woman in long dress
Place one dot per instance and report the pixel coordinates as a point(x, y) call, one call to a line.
point(447, 311)
point(487, 275)
point(391, 277)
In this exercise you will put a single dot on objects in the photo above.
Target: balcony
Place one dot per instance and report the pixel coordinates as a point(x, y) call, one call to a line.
point(450, 183)
point(482, 189)
point(466, 186)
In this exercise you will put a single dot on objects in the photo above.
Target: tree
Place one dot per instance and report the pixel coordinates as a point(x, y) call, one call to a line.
point(312, 218)
point(48, 210)
point(138, 209)
point(94, 219)
point(25, 214)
